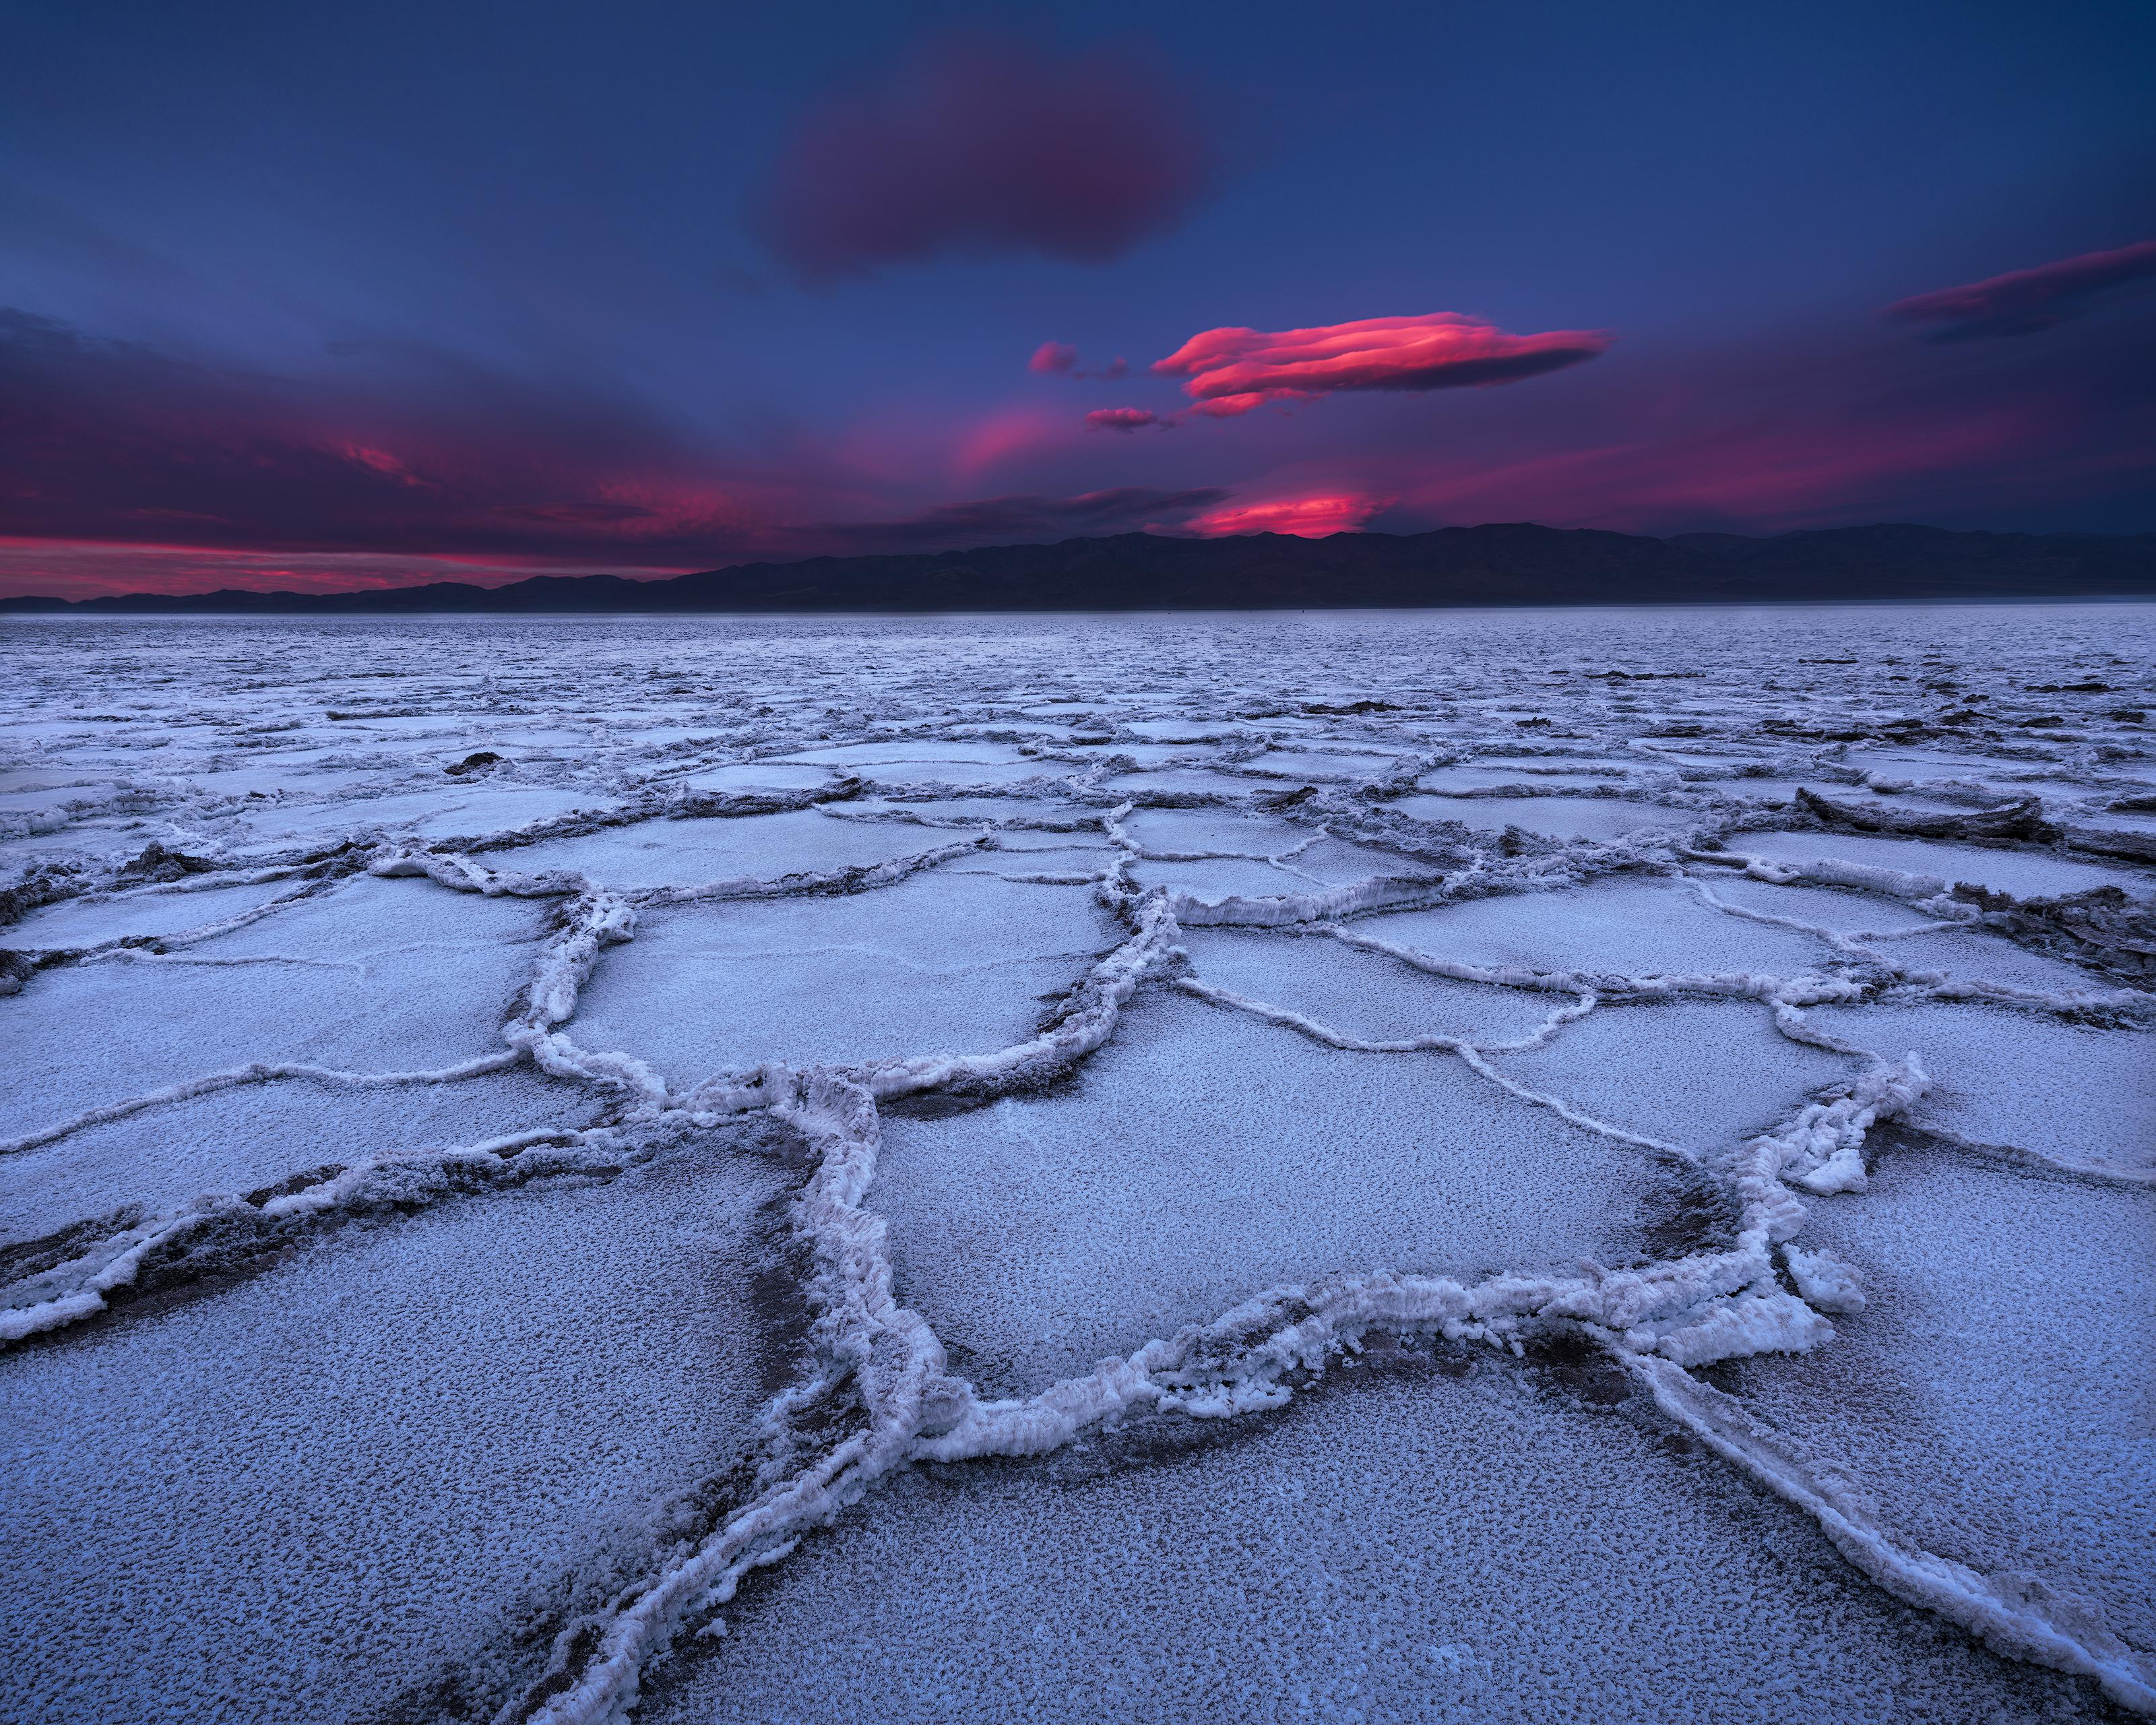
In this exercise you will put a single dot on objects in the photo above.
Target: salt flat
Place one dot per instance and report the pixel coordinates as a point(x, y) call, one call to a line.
point(1303, 1166)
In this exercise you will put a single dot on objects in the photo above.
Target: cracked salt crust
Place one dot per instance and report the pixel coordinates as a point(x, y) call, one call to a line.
point(1153, 1102)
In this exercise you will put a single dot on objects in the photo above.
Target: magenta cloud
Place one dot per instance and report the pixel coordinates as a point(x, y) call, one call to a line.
point(1229, 372)
point(2024, 302)
point(986, 145)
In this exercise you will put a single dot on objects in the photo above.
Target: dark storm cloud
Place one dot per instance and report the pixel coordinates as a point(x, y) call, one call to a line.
point(991, 520)
point(1121, 419)
point(988, 145)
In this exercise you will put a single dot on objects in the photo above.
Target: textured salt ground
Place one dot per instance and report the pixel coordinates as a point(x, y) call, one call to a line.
point(1885, 804)
point(1404, 1547)
point(1184, 730)
point(2008, 1078)
point(306, 1493)
point(1543, 775)
point(1336, 862)
point(1999, 1405)
point(1305, 854)
point(234, 1141)
point(1703, 1075)
point(941, 964)
point(1201, 779)
point(1974, 955)
point(451, 809)
point(378, 976)
point(1554, 817)
point(963, 773)
point(1218, 878)
point(499, 809)
point(1842, 910)
point(945, 805)
point(1314, 765)
point(1364, 995)
point(1030, 862)
point(95, 840)
point(1188, 1167)
point(1628, 928)
point(1934, 763)
point(1189, 831)
point(2025, 873)
point(91, 922)
point(689, 853)
point(1774, 793)
point(854, 755)
point(757, 776)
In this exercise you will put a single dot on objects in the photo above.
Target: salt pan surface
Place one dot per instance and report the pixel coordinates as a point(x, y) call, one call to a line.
point(1341, 1563)
point(478, 1223)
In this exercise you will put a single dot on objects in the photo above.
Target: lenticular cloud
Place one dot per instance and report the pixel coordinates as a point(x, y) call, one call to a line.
point(1231, 371)
point(2025, 302)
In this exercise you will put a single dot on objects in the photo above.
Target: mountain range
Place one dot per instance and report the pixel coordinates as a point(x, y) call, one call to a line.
point(1514, 564)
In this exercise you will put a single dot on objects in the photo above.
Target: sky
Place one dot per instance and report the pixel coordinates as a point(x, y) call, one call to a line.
point(308, 296)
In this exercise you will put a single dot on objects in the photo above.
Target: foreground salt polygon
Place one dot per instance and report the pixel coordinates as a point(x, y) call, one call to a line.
point(464, 1221)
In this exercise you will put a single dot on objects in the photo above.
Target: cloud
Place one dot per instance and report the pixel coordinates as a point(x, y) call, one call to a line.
point(2025, 301)
point(124, 465)
point(79, 569)
point(986, 145)
point(1060, 359)
point(394, 452)
point(1229, 372)
point(1121, 419)
point(1007, 434)
point(1304, 518)
point(993, 520)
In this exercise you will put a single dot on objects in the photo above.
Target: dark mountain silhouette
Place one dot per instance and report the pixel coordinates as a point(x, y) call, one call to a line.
point(1500, 565)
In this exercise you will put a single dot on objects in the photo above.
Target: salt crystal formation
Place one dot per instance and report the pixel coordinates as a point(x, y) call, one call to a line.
point(1488, 1166)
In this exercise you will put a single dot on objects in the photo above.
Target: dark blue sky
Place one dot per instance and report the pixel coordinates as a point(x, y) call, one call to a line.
point(292, 292)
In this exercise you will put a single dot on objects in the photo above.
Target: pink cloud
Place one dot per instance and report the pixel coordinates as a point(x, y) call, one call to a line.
point(1005, 434)
point(1229, 372)
point(1304, 518)
point(988, 145)
point(1757, 477)
point(1121, 419)
point(383, 462)
point(2024, 301)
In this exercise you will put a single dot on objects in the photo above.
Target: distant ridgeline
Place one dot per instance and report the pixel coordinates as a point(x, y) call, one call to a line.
point(1514, 565)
